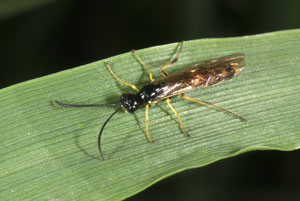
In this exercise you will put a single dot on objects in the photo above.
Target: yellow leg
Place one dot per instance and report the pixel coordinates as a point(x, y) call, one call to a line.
point(213, 105)
point(178, 117)
point(117, 78)
point(147, 124)
point(163, 72)
point(141, 61)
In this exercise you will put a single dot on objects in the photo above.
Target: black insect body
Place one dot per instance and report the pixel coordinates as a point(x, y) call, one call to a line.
point(204, 74)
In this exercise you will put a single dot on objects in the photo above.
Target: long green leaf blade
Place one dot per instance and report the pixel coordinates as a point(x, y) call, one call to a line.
point(49, 152)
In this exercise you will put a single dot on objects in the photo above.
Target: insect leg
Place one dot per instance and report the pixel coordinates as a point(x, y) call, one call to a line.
point(147, 124)
point(163, 72)
point(141, 61)
point(178, 117)
point(117, 78)
point(213, 105)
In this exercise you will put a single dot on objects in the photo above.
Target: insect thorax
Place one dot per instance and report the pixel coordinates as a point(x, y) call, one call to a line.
point(131, 102)
point(150, 92)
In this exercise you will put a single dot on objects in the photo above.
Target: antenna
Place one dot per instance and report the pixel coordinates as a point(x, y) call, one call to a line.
point(93, 105)
point(101, 131)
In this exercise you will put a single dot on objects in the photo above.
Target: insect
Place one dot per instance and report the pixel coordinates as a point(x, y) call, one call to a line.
point(205, 74)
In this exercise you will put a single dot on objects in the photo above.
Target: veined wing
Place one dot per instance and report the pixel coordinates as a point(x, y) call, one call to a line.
point(205, 74)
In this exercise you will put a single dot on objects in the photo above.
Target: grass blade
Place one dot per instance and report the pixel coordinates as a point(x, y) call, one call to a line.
point(49, 152)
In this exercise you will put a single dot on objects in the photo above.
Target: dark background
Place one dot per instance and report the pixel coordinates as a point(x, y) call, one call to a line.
point(56, 35)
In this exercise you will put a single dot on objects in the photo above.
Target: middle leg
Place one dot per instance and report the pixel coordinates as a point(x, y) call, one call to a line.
point(163, 72)
point(147, 123)
point(178, 117)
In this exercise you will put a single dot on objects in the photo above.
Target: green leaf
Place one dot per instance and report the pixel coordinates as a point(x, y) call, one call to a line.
point(10, 8)
point(49, 152)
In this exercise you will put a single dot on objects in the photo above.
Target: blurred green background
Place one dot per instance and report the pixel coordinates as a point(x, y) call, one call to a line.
point(40, 37)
